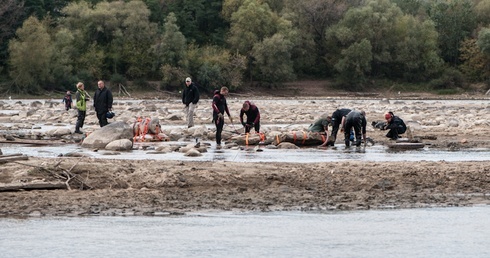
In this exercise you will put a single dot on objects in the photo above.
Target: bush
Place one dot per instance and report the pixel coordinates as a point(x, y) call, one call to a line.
point(451, 78)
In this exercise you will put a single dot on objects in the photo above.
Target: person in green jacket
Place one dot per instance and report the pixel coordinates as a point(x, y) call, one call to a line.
point(81, 103)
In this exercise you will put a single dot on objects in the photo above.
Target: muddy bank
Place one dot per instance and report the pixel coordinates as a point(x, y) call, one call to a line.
point(108, 187)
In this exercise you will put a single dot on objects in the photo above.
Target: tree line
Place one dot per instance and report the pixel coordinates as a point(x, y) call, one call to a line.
point(50, 45)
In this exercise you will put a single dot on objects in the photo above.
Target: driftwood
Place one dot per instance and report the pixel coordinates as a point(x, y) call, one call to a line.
point(12, 157)
point(34, 142)
point(65, 175)
point(32, 186)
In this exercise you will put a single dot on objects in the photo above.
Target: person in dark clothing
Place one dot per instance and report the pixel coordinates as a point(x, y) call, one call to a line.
point(81, 98)
point(102, 103)
point(219, 108)
point(336, 120)
point(320, 125)
point(190, 97)
point(67, 100)
point(357, 120)
point(395, 125)
point(253, 117)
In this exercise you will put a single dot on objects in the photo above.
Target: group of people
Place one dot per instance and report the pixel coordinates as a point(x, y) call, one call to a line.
point(102, 103)
point(190, 98)
point(347, 120)
point(354, 122)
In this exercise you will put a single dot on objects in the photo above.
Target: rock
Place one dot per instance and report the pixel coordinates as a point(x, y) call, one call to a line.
point(111, 132)
point(287, 145)
point(120, 145)
point(192, 153)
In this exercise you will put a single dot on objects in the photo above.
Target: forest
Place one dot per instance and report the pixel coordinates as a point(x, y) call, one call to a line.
point(50, 45)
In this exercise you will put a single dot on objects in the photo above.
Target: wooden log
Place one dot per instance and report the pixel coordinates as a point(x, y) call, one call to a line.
point(12, 158)
point(406, 145)
point(34, 142)
point(32, 186)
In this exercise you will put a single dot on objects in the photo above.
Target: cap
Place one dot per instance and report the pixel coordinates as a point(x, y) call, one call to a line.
point(387, 116)
point(188, 79)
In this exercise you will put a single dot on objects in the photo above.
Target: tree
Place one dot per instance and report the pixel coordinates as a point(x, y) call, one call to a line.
point(11, 12)
point(172, 46)
point(118, 34)
point(312, 18)
point(401, 46)
point(474, 63)
point(253, 23)
point(30, 57)
point(272, 59)
point(355, 64)
point(200, 20)
point(454, 21)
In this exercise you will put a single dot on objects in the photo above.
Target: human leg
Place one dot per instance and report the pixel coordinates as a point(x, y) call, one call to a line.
point(219, 128)
point(102, 119)
point(190, 114)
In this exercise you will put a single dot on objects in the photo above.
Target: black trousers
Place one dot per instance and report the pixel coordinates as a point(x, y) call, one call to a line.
point(256, 127)
point(80, 120)
point(356, 123)
point(220, 122)
point(102, 119)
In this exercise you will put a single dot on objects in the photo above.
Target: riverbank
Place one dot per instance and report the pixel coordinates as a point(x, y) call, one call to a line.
point(147, 187)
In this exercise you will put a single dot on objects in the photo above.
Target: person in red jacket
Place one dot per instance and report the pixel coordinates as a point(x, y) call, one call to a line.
point(253, 117)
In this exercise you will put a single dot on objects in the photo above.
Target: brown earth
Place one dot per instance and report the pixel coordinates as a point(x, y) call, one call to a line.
point(146, 187)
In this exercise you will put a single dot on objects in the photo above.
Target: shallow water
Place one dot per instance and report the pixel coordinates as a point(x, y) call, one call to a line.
point(436, 232)
point(263, 154)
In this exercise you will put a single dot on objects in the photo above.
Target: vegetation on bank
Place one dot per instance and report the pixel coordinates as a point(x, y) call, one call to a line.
point(436, 45)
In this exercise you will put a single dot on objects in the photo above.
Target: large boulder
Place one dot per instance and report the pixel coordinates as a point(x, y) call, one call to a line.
point(111, 132)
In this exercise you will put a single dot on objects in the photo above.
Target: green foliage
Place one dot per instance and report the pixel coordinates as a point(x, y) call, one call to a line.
point(172, 47)
point(402, 47)
point(451, 78)
point(355, 64)
point(200, 20)
point(483, 41)
point(173, 77)
point(31, 57)
point(272, 59)
point(482, 10)
point(455, 20)
point(474, 62)
point(218, 67)
point(117, 33)
point(117, 79)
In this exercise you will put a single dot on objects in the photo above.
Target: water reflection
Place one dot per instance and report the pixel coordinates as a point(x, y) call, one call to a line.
point(441, 232)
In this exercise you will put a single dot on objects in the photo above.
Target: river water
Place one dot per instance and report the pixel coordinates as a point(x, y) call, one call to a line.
point(435, 232)
point(254, 154)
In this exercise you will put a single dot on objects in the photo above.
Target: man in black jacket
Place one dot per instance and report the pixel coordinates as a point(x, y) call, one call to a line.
point(190, 97)
point(102, 103)
point(395, 125)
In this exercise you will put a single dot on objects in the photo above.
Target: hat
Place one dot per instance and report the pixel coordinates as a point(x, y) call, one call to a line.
point(387, 116)
point(188, 79)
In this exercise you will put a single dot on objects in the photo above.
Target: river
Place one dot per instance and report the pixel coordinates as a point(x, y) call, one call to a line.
point(435, 232)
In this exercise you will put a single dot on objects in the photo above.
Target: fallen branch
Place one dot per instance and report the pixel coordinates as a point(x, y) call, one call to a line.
point(12, 158)
point(32, 186)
